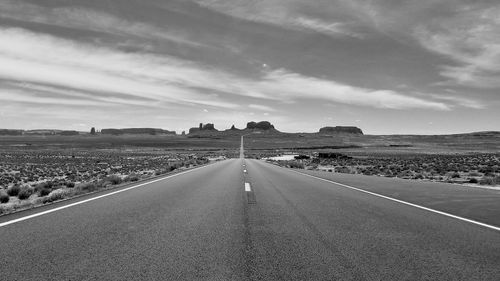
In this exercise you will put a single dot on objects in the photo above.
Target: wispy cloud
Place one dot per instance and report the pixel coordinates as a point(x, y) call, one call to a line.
point(44, 59)
point(281, 13)
point(90, 20)
point(329, 28)
point(470, 38)
point(454, 101)
point(463, 32)
point(18, 95)
point(284, 85)
point(47, 94)
point(64, 64)
point(261, 107)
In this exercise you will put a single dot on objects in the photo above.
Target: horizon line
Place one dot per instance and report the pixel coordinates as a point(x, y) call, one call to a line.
point(222, 130)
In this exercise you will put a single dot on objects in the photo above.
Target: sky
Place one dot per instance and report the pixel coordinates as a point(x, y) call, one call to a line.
point(386, 66)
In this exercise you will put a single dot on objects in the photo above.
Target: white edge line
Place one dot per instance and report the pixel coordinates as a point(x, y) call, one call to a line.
point(404, 202)
point(247, 187)
point(95, 198)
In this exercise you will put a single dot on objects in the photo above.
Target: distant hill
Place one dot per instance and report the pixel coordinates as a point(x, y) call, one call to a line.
point(137, 131)
point(39, 132)
point(484, 134)
point(7, 132)
point(69, 133)
point(45, 132)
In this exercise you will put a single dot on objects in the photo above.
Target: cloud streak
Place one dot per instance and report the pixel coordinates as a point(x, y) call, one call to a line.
point(43, 59)
point(48, 60)
point(463, 32)
point(460, 101)
point(290, 61)
point(261, 107)
point(283, 85)
point(91, 20)
point(280, 13)
point(470, 38)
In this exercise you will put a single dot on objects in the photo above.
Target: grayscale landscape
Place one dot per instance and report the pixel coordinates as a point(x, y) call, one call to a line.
point(249, 140)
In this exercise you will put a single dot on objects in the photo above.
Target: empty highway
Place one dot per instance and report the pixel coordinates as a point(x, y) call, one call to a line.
point(243, 219)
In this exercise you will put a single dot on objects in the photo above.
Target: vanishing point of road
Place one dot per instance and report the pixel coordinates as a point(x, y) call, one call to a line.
point(244, 219)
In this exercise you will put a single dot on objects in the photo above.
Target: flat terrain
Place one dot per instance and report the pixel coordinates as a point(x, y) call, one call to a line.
point(262, 142)
point(204, 225)
point(125, 141)
point(35, 176)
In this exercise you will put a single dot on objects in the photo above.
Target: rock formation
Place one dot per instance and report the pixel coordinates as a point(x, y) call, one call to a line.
point(208, 126)
point(263, 125)
point(203, 128)
point(137, 131)
point(341, 129)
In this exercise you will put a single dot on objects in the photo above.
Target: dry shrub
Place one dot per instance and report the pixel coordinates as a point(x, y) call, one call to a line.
point(25, 193)
point(113, 179)
point(58, 194)
point(4, 197)
point(43, 189)
point(487, 181)
point(14, 190)
point(490, 180)
point(86, 187)
point(132, 177)
point(473, 180)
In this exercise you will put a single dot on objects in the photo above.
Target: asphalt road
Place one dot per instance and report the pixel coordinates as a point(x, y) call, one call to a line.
point(203, 225)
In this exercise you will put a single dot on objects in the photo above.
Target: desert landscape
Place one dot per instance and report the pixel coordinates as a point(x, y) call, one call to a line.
point(249, 140)
point(43, 166)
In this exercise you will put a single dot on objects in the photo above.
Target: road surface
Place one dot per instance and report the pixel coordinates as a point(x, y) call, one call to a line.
point(243, 219)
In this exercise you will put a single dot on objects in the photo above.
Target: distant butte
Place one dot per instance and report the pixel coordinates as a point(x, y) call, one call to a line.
point(341, 130)
point(262, 125)
point(137, 131)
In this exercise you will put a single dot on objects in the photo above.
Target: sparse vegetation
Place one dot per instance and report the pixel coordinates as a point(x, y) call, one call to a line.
point(467, 168)
point(39, 176)
point(51, 167)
